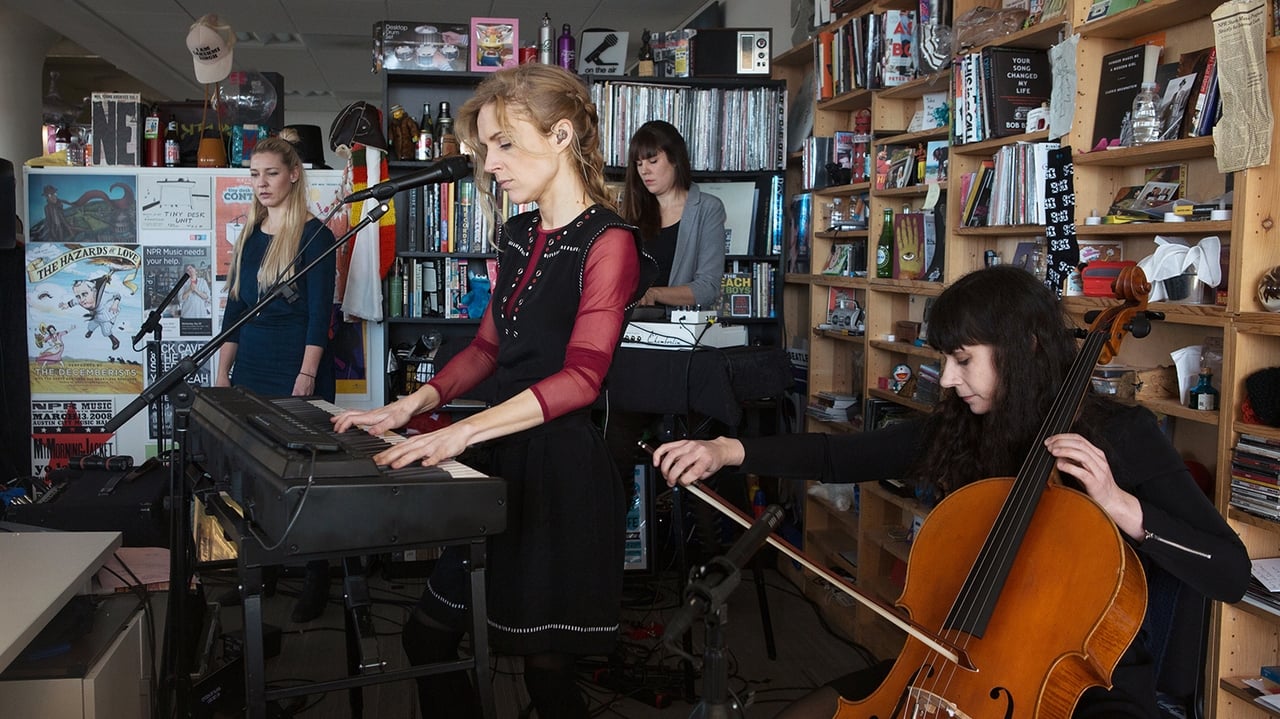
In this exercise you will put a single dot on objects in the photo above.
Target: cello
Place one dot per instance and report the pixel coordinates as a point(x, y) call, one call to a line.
point(1028, 583)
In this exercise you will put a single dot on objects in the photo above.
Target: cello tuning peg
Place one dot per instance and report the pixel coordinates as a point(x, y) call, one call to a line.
point(1080, 333)
point(1091, 315)
point(1140, 325)
point(1153, 315)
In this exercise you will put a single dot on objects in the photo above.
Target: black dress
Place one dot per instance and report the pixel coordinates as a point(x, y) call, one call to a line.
point(554, 578)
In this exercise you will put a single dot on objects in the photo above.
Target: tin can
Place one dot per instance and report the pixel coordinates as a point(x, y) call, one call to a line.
point(528, 54)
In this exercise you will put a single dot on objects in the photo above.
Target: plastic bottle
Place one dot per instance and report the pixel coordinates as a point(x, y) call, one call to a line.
point(544, 40)
point(1145, 117)
point(566, 53)
point(884, 248)
point(1204, 396)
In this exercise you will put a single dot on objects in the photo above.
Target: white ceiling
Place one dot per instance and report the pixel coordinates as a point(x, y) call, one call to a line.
point(140, 45)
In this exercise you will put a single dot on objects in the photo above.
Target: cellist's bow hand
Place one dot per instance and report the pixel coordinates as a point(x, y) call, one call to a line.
point(1078, 457)
point(687, 461)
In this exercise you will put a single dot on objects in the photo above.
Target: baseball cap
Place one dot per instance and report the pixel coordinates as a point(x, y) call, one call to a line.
point(210, 44)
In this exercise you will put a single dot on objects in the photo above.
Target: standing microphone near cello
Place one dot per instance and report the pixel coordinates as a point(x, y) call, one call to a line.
point(1041, 583)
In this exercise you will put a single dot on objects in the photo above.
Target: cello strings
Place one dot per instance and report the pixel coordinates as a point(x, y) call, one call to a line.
point(1002, 543)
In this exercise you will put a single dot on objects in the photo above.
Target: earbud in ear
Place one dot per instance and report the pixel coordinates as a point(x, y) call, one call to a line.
point(561, 135)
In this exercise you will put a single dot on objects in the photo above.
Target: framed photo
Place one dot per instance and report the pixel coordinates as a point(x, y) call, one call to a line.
point(493, 43)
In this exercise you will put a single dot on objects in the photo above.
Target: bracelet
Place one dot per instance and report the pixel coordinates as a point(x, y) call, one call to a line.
point(306, 374)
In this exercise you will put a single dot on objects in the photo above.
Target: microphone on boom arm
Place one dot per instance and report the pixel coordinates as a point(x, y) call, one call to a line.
point(446, 169)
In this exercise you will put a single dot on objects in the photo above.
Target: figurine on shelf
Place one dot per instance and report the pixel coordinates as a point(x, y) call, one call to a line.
point(644, 66)
point(404, 134)
point(861, 140)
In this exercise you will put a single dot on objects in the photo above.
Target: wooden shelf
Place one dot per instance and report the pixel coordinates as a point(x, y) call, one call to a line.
point(899, 548)
point(1258, 323)
point(1041, 36)
point(1001, 231)
point(988, 147)
point(906, 287)
point(911, 138)
point(937, 82)
point(841, 235)
point(842, 190)
point(1161, 152)
point(1235, 686)
point(912, 191)
point(907, 348)
point(840, 336)
point(1143, 229)
point(856, 283)
point(898, 399)
point(848, 102)
point(1147, 17)
point(1174, 312)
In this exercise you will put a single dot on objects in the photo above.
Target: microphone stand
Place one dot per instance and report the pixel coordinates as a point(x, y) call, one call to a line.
point(152, 325)
point(175, 677)
point(708, 591)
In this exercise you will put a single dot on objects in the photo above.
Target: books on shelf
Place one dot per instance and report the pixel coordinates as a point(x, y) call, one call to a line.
point(799, 227)
point(1123, 72)
point(1018, 81)
point(899, 59)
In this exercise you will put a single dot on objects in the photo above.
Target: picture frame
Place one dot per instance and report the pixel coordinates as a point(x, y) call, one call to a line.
point(493, 43)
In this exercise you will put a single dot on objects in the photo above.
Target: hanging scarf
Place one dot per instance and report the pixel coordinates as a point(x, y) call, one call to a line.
point(374, 247)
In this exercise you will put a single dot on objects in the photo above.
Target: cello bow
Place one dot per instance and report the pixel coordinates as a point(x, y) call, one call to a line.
point(944, 647)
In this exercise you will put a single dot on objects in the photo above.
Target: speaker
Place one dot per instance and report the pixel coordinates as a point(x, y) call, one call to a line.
point(8, 206)
point(730, 52)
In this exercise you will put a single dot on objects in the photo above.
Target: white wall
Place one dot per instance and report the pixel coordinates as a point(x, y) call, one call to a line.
point(23, 44)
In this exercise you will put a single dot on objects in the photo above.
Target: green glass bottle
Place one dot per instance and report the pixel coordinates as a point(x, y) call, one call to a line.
point(884, 247)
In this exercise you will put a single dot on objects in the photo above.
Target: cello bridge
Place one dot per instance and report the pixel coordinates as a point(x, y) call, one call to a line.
point(924, 704)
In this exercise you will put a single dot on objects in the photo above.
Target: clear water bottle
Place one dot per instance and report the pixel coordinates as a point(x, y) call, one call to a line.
point(1146, 115)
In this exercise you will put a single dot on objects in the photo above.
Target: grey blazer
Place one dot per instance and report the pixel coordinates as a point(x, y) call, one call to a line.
point(699, 257)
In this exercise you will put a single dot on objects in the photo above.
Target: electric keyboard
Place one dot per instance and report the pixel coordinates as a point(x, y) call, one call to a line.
point(312, 490)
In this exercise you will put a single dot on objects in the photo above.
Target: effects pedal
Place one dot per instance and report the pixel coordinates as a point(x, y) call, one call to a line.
point(692, 317)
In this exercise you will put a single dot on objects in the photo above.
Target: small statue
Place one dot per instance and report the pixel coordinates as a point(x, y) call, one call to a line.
point(645, 56)
point(404, 134)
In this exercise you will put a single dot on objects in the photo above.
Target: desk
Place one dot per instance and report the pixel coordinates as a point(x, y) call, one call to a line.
point(712, 382)
point(42, 571)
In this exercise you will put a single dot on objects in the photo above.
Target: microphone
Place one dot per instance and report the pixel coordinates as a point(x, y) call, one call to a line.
point(719, 577)
point(447, 169)
point(153, 319)
point(593, 58)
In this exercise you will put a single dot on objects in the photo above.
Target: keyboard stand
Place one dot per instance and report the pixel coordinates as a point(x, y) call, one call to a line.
point(250, 560)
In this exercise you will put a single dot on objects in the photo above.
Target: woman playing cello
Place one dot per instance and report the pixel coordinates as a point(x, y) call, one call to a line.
point(1007, 349)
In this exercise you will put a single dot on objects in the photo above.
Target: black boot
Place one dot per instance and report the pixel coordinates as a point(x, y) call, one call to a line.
point(451, 695)
point(315, 592)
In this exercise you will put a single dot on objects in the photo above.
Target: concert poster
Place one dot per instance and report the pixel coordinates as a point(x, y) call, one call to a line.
point(232, 201)
point(82, 207)
point(160, 360)
point(190, 313)
point(84, 303)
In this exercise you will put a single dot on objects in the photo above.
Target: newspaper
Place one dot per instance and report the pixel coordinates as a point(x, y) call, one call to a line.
point(1242, 137)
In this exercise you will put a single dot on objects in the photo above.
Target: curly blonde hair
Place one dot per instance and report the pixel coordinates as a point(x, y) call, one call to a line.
point(542, 95)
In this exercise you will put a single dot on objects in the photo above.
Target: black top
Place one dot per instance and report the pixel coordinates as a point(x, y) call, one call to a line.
point(663, 250)
point(1143, 463)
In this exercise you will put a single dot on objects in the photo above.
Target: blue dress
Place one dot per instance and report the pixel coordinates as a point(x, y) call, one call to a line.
point(273, 343)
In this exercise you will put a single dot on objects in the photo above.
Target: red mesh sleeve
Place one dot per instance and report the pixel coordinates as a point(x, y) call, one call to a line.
point(471, 365)
point(608, 282)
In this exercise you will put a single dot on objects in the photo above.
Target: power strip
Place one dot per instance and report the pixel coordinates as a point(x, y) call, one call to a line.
point(692, 317)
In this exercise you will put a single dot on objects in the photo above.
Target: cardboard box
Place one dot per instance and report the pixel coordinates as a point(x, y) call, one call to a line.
point(421, 45)
point(117, 129)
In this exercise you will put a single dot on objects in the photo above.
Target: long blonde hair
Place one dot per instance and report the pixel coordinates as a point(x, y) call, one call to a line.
point(543, 95)
point(280, 260)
